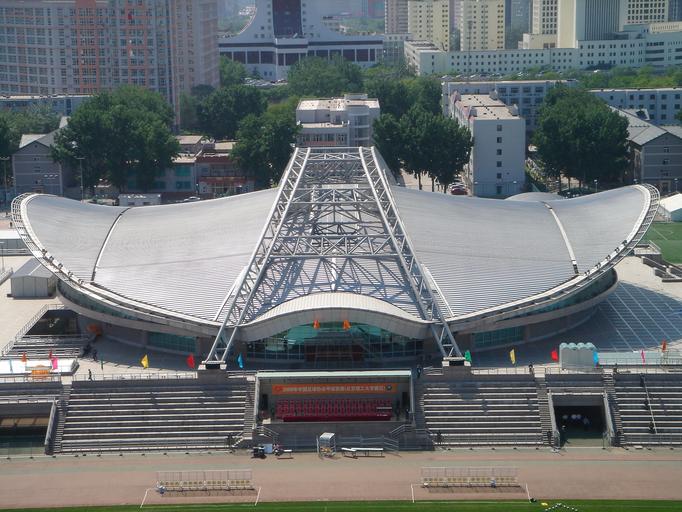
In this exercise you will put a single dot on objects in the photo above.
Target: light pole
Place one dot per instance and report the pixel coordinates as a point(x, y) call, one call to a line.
point(2, 255)
point(5, 159)
point(80, 164)
point(596, 186)
point(676, 190)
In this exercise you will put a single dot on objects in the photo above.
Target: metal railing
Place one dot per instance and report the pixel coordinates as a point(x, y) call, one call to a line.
point(29, 325)
point(134, 376)
point(27, 377)
point(51, 427)
point(4, 276)
point(661, 438)
point(150, 445)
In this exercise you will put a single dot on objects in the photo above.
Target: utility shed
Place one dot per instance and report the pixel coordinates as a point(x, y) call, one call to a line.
point(33, 280)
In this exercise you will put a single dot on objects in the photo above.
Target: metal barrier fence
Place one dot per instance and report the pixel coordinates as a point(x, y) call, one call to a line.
point(154, 445)
point(470, 477)
point(135, 376)
point(660, 439)
point(205, 480)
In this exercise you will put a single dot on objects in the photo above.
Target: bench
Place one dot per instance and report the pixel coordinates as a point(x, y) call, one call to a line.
point(362, 452)
point(285, 454)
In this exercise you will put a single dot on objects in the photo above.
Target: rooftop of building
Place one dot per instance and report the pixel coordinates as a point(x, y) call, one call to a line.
point(26, 97)
point(189, 139)
point(641, 130)
point(484, 106)
point(349, 100)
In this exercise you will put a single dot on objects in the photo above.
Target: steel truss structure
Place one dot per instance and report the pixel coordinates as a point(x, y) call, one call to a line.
point(334, 226)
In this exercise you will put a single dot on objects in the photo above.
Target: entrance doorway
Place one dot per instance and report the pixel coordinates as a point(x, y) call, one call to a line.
point(580, 425)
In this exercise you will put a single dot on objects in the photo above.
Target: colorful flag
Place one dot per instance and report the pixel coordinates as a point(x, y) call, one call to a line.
point(512, 356)
point(55, 363)
point(190, 361)
point(24, 358)
point(664, 346)
point(554, 355)
point(643, 357)
point(346, 325)
point(49, 356)
point(240, 361)
point(595, 357)
point(467, 356)
point(316, 324)
point(145, 361)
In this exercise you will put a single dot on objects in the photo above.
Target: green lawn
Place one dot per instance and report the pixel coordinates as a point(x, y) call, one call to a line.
point(385, 506)
point(668, 236)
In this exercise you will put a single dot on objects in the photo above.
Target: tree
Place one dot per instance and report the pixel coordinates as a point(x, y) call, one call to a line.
point(5, 138)
point(118, 135)
point(220, 113)
point(265, 143)
point(317, 77)
point(580, 137)
point(36, 119)
point(231, 72)
point(388, 138)
point(451, 146)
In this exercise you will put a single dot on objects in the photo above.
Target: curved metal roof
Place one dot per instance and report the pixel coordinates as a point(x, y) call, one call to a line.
point(336, 225)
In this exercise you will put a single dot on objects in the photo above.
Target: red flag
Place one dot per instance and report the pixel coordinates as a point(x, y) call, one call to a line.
point(316, 324)
point(55, 363)
point(24, 358)
point(643, 357)
point(190, 361)
point(664, 346)
point(555, 355)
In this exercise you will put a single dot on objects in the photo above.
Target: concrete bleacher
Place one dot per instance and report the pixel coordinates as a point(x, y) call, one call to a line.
point(663, 393)
point(40, 347)
point(483, 411)
point(153, 415)
point(29, 392)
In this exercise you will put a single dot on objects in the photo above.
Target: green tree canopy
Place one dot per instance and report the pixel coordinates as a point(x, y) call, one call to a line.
point(265, 142)
point(580, 137)
point(231, 72)
point(5, 138)
point(36, 119)
point(118, 135)
point(314, 76)
point(220, 113)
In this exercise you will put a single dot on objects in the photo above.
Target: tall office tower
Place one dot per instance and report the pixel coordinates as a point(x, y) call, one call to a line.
point(545, 17)
point(429, 20)
point(588, 20)
point(519, 15)
point(646, 11)
point(675, 10)
point(395, 17)
point(84, 46)
point(481, 25)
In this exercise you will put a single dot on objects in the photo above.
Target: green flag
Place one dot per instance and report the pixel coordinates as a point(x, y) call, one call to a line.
point(467, 356)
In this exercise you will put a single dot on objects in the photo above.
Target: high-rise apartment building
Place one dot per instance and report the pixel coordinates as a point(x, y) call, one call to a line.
point(84, 46)
point(675, 10)
point(429, 20)
point(544, 17)
point(481, 25)
point(395, 17)
point(587, 20)
point(647, 11)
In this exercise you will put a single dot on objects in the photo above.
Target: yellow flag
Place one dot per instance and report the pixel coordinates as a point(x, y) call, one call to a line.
point(145, 361)
point(512, 356)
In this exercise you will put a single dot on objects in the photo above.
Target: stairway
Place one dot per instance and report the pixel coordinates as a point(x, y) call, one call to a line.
point(610, 389)
point(249, 420)
point(543, 406)
point(182, 414)
point(62, 405)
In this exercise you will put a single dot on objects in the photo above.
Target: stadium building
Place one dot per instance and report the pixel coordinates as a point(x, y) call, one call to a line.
point(336, 268)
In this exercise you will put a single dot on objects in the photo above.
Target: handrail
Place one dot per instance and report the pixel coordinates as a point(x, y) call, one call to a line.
point(134, 376)
point(648, 403)
point(51, 426)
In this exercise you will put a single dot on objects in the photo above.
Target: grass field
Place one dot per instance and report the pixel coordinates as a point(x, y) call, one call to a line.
point(668, 236)
point(386, 506)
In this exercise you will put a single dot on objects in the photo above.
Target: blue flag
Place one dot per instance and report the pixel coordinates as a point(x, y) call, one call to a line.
point(240, 361)
point(595, 358)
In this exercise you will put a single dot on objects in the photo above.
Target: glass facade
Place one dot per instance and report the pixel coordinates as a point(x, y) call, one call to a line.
point(172, 342)
point(330, 342)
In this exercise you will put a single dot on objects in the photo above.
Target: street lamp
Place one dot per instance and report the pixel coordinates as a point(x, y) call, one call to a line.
point(596, 186)
point(80, 164)
point(4, 171)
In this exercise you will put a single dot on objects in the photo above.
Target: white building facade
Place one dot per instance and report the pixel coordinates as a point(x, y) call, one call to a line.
point(282, 32)
point(658, 46)
point(337, 122)
point(497, 163)
point(429, 20)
